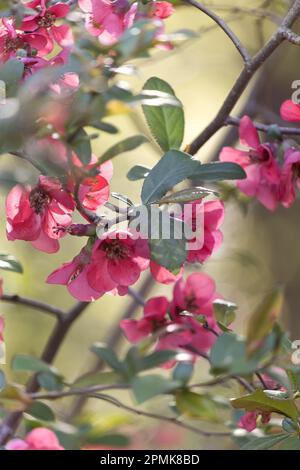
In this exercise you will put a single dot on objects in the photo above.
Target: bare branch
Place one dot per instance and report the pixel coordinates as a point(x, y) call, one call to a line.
point(243, 80)
point(224, 26)
point(34, 304)
point(231, 121)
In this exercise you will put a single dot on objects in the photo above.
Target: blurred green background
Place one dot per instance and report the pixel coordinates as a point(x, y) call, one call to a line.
point(259, 250)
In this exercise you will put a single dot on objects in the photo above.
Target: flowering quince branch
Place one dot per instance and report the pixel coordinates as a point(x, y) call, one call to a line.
point(223, 25)
point(267, 128)
point(34, 304)
point(244, 78)
point(57, 92)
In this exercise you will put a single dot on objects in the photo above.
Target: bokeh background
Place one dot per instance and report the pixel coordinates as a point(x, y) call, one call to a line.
point(260, 249)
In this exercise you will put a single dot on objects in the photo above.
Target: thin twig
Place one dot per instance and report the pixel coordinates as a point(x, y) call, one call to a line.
point(11, 422)
point(244, 78)
point(232, 121)
point(34, 304)
point(224, 26)
point(170, 419)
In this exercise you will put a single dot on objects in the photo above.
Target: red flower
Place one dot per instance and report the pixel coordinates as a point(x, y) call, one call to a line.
point(11, 41)
point(38, 214)
point(290, 111)
point(118, 259)
point(44, 22)
point(263, 173)
point(74, 276)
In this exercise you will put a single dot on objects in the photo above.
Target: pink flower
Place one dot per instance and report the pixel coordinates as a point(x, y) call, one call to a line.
point(290, 177)
point(162, 10)
point(37, 439)
point(74, 276)
point(163, 275)
point(154, 318)
point(39, 214)
point(209, 215)
point(44, 22)
point(176, 322)
point(94, 191)
point(118, 259)
point(263, 173)
point(105, 19)
point(248, 421)
point(11, 41)
point(195, 296)
point(290, 111)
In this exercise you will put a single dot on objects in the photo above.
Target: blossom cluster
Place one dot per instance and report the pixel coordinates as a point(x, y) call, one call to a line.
point(186, 323)
point(45, 30)
point(271, 178)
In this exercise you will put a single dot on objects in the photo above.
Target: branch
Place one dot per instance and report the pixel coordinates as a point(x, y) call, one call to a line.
point(62, 327)
point(231, 121)
point(34, 304)
point(170, 419)
point(224, 26)
point(290, 36)
point(114, 337)
point(243, 80)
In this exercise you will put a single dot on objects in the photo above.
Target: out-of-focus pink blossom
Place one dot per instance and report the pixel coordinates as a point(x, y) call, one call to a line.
point(12, 40)
point(290, 111)
point(37, 439)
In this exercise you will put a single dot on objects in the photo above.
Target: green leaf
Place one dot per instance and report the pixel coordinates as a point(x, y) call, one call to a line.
point(170, 251)
point(40, 411)
point(50, 381)
point(175, 166)
point(289, 426)
point(228, 355)
point(10, 263)
point(264, 443)
point(137, 172)
point(183, 372)
point(262, 320)
point(187, 195)
point(135, 41)
point(108, 356)
point(82, 147)
point(156, 359)
point(98, 378)
point(31, 364)
point(2, 380)
point(291, 443)
point(11, 74)
point(259, 400)
point(105, 127)
point(150, 386)
point(110, 439)
point(197, 406)
point(125, 145)
point(165, 122)
point(224, 311)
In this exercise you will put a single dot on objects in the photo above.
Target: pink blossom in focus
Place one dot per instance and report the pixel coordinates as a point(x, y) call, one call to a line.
point(37, 439)
point(74, 276)
point(118, 258)
point(38, 214)
point(263, 173)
